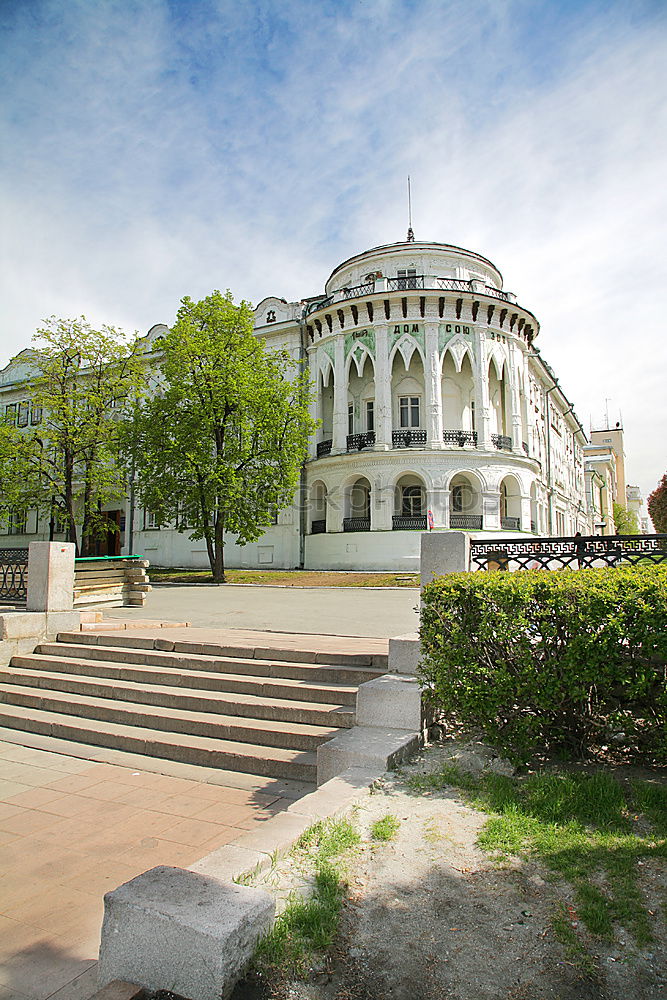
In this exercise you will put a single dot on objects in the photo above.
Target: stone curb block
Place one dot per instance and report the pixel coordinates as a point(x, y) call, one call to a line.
point(364, 746)
point(178, 930)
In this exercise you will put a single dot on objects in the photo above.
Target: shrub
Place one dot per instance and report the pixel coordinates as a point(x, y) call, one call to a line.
point(557, 661)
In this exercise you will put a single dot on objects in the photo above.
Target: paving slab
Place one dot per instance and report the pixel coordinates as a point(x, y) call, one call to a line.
point(72, 828)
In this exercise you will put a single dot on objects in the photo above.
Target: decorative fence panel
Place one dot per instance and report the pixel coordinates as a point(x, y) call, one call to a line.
point(557, 553)
point(13, 574)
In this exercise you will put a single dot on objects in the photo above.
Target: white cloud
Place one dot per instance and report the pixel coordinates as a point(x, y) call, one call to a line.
point(152, 152)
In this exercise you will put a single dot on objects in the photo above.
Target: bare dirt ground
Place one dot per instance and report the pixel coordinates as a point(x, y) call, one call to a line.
point(429, 916)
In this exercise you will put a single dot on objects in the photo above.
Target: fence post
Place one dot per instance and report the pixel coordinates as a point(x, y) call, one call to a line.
point(444, 552)
point(50, 576)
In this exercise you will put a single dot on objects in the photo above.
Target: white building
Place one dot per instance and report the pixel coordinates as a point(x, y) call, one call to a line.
point(435, 405)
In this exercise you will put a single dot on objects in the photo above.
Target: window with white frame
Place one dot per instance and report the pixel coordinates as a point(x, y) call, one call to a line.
point(24, 413)
point(18, 522)
point(150, 520)
point(407, 277)
point(412, 501)
point(408, 411)
point(370, 415)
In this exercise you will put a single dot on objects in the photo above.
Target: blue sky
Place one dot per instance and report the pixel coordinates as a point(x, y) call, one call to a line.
point(154, 149)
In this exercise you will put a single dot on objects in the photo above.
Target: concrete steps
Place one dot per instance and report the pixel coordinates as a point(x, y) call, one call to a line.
point(243, 707)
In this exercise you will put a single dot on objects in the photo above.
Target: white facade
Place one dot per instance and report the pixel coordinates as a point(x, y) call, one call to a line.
point(432, 397)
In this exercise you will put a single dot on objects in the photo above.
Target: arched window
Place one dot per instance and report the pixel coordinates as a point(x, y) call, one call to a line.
point(412, 501)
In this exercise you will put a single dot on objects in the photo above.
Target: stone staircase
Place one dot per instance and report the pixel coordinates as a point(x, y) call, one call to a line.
point(236, 707)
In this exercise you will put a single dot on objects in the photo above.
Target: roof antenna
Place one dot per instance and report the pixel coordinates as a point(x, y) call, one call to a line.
point(411, 235)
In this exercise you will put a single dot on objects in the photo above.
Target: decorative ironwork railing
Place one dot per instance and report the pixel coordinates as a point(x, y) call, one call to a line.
point(13, 574)
point(318, 527)
point(355, 442)
point(556, 553)
point(416, 522)
point(356, 524)
point(466, 522)
point(502, 442)
point(320, 304)
point(407, 438)
point(324, 448)
point(358, 290)
point(510, 523)
point(496, 293)
point(460, 438)
point(406, 283)
point(453, 284)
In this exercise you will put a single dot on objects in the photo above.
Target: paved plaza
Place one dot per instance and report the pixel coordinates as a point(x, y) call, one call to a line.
point(76, 820)
point(362, 611)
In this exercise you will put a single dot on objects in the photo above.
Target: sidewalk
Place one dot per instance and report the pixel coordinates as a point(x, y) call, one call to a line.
point(71, 829)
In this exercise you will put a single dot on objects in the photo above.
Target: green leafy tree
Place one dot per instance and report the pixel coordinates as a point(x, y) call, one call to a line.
point(219, 448)
point(625, 520)
point(69, 463)
point(657, 506)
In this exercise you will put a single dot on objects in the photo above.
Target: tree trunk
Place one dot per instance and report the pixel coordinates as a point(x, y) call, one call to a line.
point(69, 504)
point(219, 566)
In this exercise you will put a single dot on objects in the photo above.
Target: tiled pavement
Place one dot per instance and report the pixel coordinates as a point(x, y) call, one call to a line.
point(73, 828)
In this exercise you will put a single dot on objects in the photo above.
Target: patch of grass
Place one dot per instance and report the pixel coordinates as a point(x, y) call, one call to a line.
point(588, 829)
point(287, 578)
point(566, 935)
point(308, 925)
point(385, 828)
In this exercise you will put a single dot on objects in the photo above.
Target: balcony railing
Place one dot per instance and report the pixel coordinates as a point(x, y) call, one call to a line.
point(415, 522)
point(356, 524)
point(318, 527)
point(466, 522)
point(510, 523)
point(408, 438)
point(501, 442)
point(358, 290)
point(356, 442)
point(324, 448)
point(461, 438)
point(406, 283)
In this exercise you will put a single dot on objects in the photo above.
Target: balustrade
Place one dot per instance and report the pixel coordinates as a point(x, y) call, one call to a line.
point(356, 442)
point(510, 523)
point(502, 442)
point(356, 524)
point(582, 551)
point(461, 438)
point(318, 527)
point(324, 448)
point(416, 522)
point(466, 522)
point(13, 574)
point(408, 438)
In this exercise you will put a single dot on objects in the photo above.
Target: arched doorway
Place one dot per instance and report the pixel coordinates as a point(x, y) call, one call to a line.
point(409, 504)
point(465, 505)
point(358, 506)
point(510, 504)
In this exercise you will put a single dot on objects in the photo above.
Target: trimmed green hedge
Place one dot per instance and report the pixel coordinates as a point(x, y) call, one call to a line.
point(563, 661)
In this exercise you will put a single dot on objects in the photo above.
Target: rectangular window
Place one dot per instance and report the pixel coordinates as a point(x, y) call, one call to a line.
point(150, 520)
point(18, 520)
point(350, 418)
point(407, 278)
point(35, 414)
point(472, 416)
point(24, 411)
point(370, 415)
point(408, 411)
point(10, 414)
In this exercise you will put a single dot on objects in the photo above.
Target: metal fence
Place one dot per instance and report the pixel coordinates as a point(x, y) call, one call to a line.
point(557, 553)
point(13, 574)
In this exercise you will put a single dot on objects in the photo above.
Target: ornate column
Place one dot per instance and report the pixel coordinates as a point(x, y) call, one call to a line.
point(482, 401)
point(515, 404)
point(315, 405)
point(432, 386)
point(340, 397)
point(383, 401)
point(491, 509)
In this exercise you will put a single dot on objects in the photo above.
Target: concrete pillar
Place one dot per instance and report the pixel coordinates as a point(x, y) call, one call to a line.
point(444, 552)
point(482, 402)
point(50, 576)
point(491, 507)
